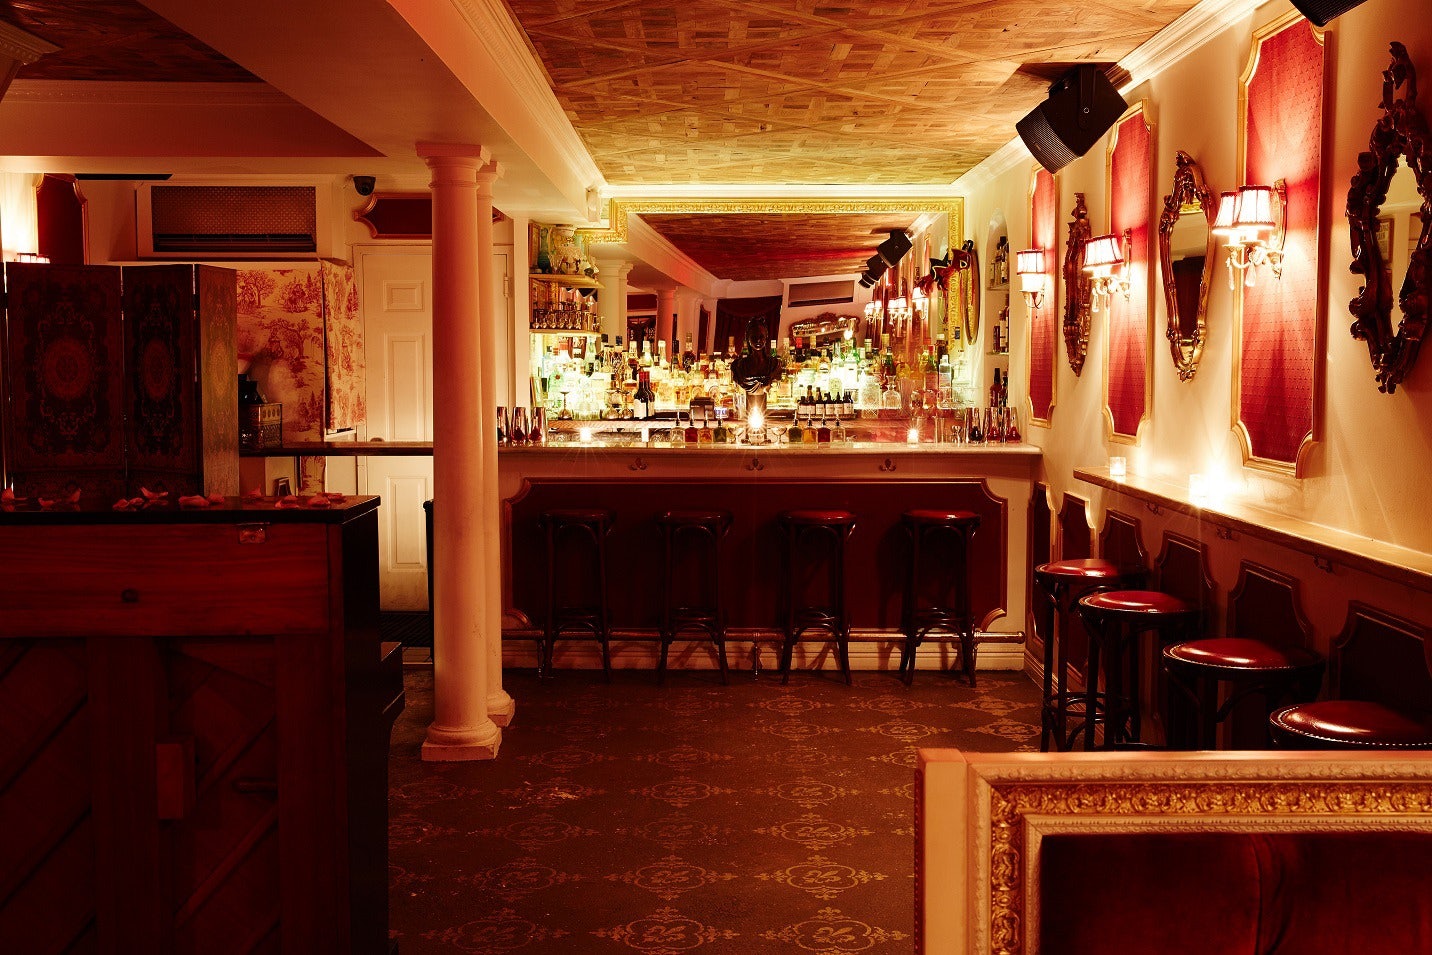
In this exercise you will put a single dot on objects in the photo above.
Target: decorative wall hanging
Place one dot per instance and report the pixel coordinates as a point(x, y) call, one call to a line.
point(1391, 196)
point(1187, 251)
point(972, 299)
point(1277, 377)
point(1076, 287)
point(1043, 350)
point(1128, 386)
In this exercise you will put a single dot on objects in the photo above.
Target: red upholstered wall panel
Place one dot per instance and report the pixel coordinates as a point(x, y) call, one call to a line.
point(1280, 317)
point(1044, 321)
point(1129, 187)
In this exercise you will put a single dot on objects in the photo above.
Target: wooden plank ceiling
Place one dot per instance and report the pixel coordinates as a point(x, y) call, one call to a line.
point(746, 247)
point(814, 91)
point(116, 40)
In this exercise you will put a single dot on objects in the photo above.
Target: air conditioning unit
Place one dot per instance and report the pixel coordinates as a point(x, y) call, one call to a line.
point(203, 221)
point(837, 292)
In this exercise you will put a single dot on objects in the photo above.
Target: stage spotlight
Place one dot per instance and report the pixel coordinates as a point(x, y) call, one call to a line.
point(1322, 12)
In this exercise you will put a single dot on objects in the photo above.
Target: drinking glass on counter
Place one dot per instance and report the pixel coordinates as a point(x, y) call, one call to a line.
point(519, 425)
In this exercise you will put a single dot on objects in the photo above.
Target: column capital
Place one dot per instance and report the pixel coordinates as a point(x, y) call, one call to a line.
point(486, 174)
point(453, 154)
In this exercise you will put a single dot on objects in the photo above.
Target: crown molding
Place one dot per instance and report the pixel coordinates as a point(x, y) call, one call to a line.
point(1180, 38)
point(505, 43)
point(117, 93)
point(16, 44)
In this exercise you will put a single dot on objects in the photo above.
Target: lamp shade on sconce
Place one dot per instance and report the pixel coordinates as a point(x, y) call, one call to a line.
point(1253, 211)
point(1029, 262)
point(1223, 224)
point(1102, 254)
point(1081, 107)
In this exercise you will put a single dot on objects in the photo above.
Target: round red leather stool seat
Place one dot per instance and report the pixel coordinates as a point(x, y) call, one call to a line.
point(1150, 602)
point(818, 516)
point(1234, 653)
point(929, 516)
point(578, 515)
point(1349, 724)
point(1083, 567)
point(693, 516)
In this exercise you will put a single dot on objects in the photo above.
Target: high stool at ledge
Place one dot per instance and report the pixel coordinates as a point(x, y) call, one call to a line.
point(806, 528)
point(571, 527)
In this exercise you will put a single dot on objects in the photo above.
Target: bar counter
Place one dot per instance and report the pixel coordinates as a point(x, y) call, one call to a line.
point(875, 480)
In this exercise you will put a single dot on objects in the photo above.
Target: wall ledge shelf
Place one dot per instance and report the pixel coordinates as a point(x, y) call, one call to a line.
point(342, 449)
point(1326, 545)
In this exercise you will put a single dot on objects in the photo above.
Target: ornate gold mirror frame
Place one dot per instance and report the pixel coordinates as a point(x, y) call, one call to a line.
point(1076, 286)
point(1190, 196)
point(952, 207)
point(1400, 134)
point(972, 297)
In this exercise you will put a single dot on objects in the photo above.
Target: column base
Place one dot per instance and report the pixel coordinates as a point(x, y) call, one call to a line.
point(448, 745)
point(501, 708)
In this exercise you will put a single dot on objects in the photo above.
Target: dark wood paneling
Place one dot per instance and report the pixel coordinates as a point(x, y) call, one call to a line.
point(1382, 658)
point(1183, 572)
point(1075, 537)
point(876, 556)
point(1264, 605)
point(1119, 541)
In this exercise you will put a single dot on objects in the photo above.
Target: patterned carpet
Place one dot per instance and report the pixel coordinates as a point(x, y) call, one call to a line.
point(747, 819)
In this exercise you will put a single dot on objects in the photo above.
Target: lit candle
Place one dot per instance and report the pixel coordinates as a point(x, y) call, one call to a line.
point(912, 436)
point(1118, 467)
point(645, 433)
point(1198, 487)
point(757, 421)
point(584, 435)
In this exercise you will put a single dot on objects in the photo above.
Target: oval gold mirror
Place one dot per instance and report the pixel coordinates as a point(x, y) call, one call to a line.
point(1076, 286)
point(1187, 251)
point(1389, 211)
point(971, 280)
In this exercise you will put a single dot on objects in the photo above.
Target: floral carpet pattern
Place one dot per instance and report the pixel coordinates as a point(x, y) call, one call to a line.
point(634, 819)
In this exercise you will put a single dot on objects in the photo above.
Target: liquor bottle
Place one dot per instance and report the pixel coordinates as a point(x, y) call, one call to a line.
point(847, 404)
point(822, 434)
point(809, 435)
point(644, 399)
point(677, 435)
point(690, 427)
point(932, 372)
point(721, 435)
point(994, 390)
point(794, 434)
point(976, 434)
point(661, 355)
point(705, 435)
point(731, 347)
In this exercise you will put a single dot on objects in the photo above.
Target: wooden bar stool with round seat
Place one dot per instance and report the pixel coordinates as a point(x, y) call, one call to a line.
point(705, 529)
point(1115, 619)
point(1196, 670)
point(1062, 583)
point(812, 525)
point(570, 525)
point(950, 612)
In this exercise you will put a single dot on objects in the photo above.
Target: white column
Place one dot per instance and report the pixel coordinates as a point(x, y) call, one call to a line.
point(461, 728)
point(611, 300)
point(665, 310)
point(710, 305)
point(688, 303)
point(500, 707)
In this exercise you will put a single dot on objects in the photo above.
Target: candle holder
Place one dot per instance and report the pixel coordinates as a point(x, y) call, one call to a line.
point(1118, 467)
point(1198, 487)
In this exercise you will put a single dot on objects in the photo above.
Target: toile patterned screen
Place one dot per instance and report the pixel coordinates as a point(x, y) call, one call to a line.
point(1275, 385)
point(1127, 382)
point(1043, 322)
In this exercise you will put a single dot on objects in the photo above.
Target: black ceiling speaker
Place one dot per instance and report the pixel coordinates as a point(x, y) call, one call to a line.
point(1323, 12)
point(1081, 107)
point(887, 253)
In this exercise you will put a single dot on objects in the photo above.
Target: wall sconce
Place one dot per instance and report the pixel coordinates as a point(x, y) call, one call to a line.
point(1029, 266)
point(1255, 221)
point(1104, 255)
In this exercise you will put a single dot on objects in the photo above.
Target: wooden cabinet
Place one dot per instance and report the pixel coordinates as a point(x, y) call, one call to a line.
point(194, 720)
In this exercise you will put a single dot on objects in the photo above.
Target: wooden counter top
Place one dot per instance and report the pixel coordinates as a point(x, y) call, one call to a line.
point(234, 510)
point(1325, 544)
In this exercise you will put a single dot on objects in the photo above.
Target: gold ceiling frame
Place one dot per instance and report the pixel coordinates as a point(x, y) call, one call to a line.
point(1298, 468)
point(619, 211)
point(1141, 110)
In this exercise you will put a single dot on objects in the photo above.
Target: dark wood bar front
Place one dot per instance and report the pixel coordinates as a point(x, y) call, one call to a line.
point(876, 483)
point(194, 730)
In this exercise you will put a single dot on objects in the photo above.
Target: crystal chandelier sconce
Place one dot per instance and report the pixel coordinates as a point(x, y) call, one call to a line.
point(1104, 258)
point(1029, 265)
point(1254, 224)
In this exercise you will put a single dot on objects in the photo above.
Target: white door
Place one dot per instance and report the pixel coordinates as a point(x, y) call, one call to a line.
point(397, 307)
point(398, 324)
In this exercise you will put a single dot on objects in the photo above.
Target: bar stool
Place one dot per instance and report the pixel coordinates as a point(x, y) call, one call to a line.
point(1349, 724)
point(707, 528)
point(1115, 619)
point(1196, 669)
point(836, 526)
point(1063, 582)
point(592, 524)
point(953, 617)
